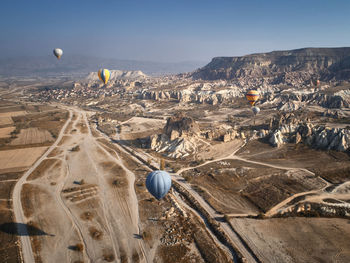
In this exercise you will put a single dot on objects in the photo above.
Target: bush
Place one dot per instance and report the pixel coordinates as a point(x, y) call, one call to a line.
point(162, 164)
point(146, 235)
point(188, 178)
point(116, 182)
point(227, 218)
point(261, 216)
point(78, 247)
point(75, 148)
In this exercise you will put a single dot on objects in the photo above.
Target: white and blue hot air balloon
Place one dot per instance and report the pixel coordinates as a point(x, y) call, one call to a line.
point(255, 110)
point(158, 183)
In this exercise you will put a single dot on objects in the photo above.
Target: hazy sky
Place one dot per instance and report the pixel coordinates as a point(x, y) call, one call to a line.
point(176, 30)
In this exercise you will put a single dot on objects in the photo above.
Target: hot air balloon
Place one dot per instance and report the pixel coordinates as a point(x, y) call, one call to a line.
point(252, 96)
point(158, 183)
point(255, 110)
point(58, 52)
point(103, 75)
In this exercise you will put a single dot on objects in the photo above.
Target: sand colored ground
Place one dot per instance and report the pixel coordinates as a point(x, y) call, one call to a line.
point(6, 132)
point(5, 117)
point(140, 125)
point(297, 239)
point(12, 114)
point(59, 203)
point(20, 157)
point(6, 121)
point(32, 136)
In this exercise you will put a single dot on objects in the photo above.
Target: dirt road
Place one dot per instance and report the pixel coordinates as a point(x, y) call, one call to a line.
point(27, 252)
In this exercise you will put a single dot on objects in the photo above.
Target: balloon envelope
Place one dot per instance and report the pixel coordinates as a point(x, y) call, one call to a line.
point(58, 52)
point(252, 96)
point(103, 75)
point(256, 110)
point(158, 183)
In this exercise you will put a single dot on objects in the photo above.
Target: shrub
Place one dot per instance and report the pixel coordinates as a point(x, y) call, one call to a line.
point(162, 164)
point(75, 148)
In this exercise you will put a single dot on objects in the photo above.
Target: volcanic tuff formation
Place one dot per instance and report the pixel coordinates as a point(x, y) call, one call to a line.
point(287, 128)
point(178, 136)
point(281, 66)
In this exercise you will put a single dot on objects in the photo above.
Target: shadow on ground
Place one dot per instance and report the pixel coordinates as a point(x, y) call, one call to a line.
point(20, 229)
point(137, 236)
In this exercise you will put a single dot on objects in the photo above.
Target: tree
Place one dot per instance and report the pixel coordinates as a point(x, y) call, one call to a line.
point(162, 164)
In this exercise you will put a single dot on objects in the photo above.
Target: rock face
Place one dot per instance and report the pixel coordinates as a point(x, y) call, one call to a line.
point(329, 139)
point(197, 96)
point(277, 138)
point(281, 66)
point(180, 126)
point(178, 137)
point(286, 128)
point(336, 100)
point(287, 101)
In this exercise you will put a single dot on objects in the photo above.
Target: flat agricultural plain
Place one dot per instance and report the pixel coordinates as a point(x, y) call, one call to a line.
point(296, 239)
point(6, 121)
point(5, 117)
point(12, 114)
point(32, 136)
point(20, 157)
point(6, 132)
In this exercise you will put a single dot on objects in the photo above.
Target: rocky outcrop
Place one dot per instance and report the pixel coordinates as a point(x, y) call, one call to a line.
point(336, 114)
point(178, 137)
point(329, 139)
point(277, 139)
point(230, 135)
point(289, 67)
point(180, 126)
point(287, 100)
point(187, 95)
point(176, 148)
point(289, 106)
point(319, 137)
point(310, 209)
point(336, 100)
point(119, 74)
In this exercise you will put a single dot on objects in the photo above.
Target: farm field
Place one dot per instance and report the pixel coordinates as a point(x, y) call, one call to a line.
point(20, 158)
point(6, 132)
point(32, 136)
point(12, 114)
point(4, 121)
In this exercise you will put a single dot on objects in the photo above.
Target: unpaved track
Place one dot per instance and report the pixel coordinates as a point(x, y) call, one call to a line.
point(234, 236)
point(27, 252)
point(246, 252)
point(119, 209)
point(115, 206)
point(68, 212)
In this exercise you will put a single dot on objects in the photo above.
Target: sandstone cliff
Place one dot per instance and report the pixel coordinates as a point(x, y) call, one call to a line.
point(281, 66)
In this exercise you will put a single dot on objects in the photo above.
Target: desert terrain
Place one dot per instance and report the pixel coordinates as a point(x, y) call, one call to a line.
point(275, 187)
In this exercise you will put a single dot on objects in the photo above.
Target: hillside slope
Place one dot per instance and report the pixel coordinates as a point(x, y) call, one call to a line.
point(279, 66)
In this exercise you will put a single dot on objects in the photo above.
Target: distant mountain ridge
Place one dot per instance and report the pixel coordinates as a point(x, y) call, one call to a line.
point(277, 66)
point(82, 65)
